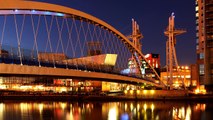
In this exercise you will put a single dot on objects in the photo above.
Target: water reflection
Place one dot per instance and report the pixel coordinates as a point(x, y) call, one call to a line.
point(105, 110)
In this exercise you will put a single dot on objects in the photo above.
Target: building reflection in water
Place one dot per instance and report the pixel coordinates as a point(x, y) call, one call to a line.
point(1, 110)
point(104, 110)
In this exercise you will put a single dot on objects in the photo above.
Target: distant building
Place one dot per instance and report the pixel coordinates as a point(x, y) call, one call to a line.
point(50, 57)
point(154, 61)
point(182, 74)
point(204, 48)
point(4, 53)
point(103, 59)
point(194, 76)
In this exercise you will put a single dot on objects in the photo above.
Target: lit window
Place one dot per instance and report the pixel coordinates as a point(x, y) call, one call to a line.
point(197, 47)
point(197, 27)
point(201, 55)
point(196, 8)
point(197, 40)
point(197, 14)
point(197, 20)
point(197, 34)
point(201, 69)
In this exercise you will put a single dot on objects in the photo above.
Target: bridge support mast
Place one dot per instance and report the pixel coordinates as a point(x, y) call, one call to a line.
point(135, 36)
point(171, 58)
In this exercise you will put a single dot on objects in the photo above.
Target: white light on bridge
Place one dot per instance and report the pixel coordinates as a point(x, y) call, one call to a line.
point(33, 11)
point(47, 13)
point(60, 14)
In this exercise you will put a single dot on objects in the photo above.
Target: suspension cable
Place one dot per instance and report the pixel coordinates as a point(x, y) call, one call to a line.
point(19, 36)
point(60, 36)
point(48, 29)
point(35, 33)
point(3, 29)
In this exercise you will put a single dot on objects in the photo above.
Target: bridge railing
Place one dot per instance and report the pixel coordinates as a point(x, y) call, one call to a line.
point(9, 55)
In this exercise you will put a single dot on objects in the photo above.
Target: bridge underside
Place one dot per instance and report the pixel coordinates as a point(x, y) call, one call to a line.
point(12, 69)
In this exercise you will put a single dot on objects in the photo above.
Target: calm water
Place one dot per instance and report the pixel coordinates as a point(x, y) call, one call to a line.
point(11, 110)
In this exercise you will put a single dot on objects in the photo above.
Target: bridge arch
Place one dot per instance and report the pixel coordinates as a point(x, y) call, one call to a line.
point(28, 7)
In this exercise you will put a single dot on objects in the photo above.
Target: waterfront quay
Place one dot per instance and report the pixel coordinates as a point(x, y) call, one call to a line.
point(106, 96)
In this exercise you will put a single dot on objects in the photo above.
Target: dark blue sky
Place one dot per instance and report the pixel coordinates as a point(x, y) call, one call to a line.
point(152, 17)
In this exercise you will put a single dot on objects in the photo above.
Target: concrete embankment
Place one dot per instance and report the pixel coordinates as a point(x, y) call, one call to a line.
point(102, 98)
point(58, 97)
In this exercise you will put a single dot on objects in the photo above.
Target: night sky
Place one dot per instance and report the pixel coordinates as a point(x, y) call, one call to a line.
point(152, 17)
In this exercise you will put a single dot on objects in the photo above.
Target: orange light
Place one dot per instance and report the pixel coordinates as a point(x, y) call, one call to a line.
point(144, 91)
point(131, 91)
point(203, 91)
point(197, 91)
point(138, 91)
point(152, 91)
point(145, 106)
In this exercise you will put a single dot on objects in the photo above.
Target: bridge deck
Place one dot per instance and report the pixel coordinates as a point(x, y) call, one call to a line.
point(13, 69)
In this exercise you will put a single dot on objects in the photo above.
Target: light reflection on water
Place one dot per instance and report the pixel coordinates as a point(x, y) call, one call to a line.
point(157, 110)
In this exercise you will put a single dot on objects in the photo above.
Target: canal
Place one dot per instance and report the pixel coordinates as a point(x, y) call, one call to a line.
point(123, 110)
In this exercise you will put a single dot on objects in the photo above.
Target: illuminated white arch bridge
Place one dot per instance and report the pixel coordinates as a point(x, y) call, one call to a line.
point(41, 39)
